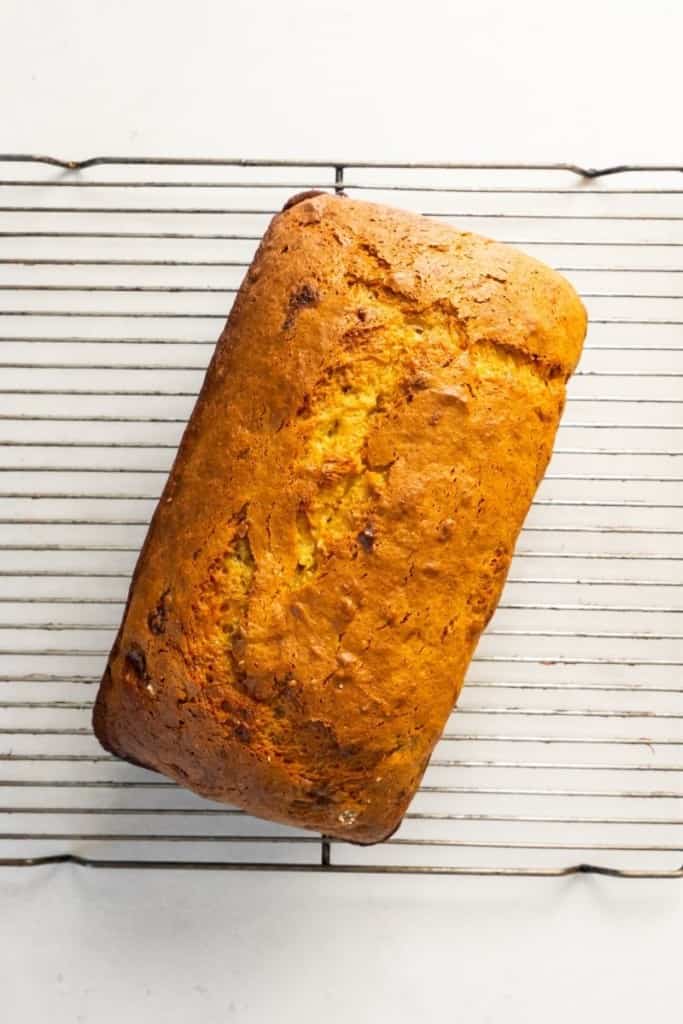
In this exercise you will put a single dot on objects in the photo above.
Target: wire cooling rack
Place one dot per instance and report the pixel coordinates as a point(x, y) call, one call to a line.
point(565, 752)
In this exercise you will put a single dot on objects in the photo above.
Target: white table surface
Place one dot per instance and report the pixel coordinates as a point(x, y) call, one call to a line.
point(588, 82)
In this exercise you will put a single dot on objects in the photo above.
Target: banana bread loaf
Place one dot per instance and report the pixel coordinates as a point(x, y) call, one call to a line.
point(341, 515)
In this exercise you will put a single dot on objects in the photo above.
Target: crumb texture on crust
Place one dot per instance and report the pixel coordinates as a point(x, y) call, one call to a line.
point(341, 515)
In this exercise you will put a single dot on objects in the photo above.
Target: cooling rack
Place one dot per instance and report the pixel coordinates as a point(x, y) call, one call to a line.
point(565, 752)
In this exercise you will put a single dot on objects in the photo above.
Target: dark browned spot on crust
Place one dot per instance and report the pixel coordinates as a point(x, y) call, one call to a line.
point(366, 538)
point(322, 797)
point(445, 530)
point(242, 733)
point(156, 620)
point(305, 407)
point(416, 382)
point(135, 660)
point(304, 296)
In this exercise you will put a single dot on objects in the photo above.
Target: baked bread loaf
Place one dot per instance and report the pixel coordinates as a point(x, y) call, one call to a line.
point(341, 515)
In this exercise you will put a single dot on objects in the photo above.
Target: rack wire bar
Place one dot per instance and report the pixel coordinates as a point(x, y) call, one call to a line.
point(569, 728)
point(338, 165)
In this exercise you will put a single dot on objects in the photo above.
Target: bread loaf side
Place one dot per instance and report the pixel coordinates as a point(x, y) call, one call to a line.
point(341, 515)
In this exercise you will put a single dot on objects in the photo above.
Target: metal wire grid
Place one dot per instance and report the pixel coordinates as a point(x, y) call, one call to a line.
point(564, 754)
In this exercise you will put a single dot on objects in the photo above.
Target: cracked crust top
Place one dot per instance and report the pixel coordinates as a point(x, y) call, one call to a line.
point(341, 515)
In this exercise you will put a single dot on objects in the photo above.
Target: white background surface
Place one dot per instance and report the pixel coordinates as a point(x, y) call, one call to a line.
point(589, 82)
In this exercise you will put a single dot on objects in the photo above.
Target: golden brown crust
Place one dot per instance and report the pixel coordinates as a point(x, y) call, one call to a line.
point(341, 515)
